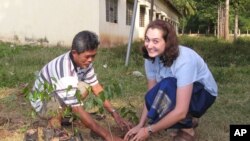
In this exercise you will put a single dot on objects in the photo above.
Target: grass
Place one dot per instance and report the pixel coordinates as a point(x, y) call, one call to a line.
point(228, 61)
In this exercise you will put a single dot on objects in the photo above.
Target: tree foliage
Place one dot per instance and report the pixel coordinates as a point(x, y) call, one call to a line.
point(201, 15)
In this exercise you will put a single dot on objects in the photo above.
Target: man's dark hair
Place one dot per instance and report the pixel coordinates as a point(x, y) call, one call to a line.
point(84, 41)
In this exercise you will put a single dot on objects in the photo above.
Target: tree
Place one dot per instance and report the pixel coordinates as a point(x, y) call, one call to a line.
point(226, 32)
point(223, 20)
point(206, 16)
point(236, 18)
point(186, 8)
point(210, 16)
point(237, 6)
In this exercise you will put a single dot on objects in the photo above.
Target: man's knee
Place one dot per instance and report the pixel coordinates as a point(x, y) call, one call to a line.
point(50, 109)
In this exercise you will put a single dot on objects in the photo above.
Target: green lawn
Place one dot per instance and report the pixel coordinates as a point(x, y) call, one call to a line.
point(228, 61)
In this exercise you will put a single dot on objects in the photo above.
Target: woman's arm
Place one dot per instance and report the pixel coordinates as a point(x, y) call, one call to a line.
point(151, 84)
point(131, 133)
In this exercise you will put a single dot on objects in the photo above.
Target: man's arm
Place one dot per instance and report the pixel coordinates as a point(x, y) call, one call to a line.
point(88, 121)
point(97, 89)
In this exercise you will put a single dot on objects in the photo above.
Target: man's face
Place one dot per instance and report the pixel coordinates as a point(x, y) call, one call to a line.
point(84, 59)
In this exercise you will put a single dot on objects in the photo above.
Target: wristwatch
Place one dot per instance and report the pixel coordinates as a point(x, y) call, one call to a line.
point(150, 131)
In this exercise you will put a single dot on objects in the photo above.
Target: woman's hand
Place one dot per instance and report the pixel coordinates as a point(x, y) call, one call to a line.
point(142, 135)
point(132, 132)
point(123, 124)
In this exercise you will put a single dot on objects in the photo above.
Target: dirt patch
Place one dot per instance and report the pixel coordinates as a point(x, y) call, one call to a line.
point(16, 119)
point(14, 109)
point(3, 121)
point(5, 133)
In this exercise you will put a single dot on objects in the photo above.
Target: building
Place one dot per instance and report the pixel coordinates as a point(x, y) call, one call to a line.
point(55, 22)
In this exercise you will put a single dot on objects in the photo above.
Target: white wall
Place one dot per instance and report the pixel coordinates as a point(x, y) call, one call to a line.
point(147, 6)
point(57, 20)
point(115, 33)
point(169, 13)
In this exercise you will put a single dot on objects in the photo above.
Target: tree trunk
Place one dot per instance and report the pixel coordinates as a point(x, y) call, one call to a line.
point(208, 29)
point(236, 19)
point(226, 31)
point(183, 26)
point(221, 20)
point(218, 21)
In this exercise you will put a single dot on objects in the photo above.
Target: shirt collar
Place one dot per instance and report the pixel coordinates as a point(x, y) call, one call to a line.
point(72, 60)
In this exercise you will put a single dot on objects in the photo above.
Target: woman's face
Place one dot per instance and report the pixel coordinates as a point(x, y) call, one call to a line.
point(154, 42)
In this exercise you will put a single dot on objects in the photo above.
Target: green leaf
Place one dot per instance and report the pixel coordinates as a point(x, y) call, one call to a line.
point(101, 109)
point(69, 88)
point(67, 112)
point(117, 89)
point(102, 96)
point(25, 91)
point(123, 109)
point(78, 96)
point(99, 101)
point(46, 86)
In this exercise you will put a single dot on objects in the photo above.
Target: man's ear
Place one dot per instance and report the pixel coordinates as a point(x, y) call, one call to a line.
point(74, 53)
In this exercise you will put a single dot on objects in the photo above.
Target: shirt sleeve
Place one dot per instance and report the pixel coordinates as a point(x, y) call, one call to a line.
point(150, 69)
point(91, 77)
point(185, 72)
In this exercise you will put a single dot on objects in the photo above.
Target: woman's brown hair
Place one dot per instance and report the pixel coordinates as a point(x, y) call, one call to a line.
point(171, 51)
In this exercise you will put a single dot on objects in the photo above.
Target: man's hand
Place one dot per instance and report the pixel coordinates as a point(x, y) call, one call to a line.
point(123, 124)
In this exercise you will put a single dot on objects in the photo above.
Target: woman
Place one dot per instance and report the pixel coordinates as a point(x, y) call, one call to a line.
point(180, 86)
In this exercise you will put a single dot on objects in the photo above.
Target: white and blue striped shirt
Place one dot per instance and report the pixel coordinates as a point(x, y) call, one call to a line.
point(58, 69)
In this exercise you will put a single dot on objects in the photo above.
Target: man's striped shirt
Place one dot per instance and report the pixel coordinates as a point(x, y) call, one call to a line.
point(58, 69)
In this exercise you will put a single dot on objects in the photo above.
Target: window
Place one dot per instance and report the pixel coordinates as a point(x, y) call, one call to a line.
point(142, 16)
point(111, 11)
point(129, 11)
point(158, 15)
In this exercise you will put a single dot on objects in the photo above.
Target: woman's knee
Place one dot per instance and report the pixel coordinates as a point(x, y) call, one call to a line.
point(169, 85)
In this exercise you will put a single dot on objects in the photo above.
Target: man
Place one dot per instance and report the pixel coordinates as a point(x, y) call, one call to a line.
point(74, 70)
